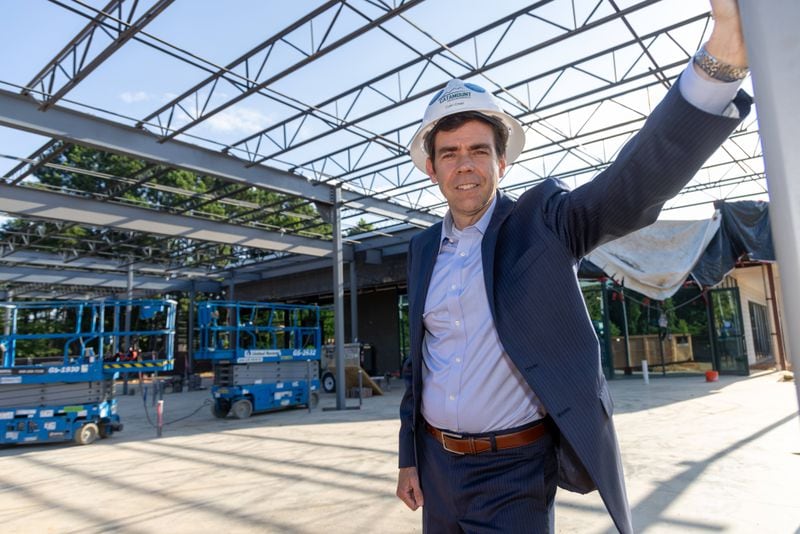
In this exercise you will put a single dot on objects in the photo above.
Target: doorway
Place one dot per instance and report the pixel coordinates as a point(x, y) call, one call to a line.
point(730, 354)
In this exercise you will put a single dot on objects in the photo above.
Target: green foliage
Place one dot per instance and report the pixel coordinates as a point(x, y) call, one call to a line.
point(682, 327)
point(592, 295)
point(362, 226)
point(102, 175)
point(327, 320)
point(686, 313)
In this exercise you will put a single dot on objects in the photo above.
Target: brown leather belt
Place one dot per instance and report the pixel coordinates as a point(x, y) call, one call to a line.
point(459, 444)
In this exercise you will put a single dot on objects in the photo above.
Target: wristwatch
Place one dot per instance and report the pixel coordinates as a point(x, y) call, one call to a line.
point(718, 70)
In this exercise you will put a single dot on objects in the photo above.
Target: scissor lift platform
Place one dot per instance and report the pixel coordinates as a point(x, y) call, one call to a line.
point(265, 355)
point(55, 383)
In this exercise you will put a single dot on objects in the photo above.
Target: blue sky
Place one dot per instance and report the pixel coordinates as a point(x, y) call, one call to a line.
point(137, 80)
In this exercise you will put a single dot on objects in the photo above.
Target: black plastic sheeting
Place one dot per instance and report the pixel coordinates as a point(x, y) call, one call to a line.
point(744, 233)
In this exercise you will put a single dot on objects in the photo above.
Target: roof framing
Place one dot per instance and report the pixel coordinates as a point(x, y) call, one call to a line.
point(40, 204)
point(22, 113)
point(351, 135)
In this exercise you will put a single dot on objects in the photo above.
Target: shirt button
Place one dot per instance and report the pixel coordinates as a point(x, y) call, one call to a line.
point(453, 286)
point(458, 323)
point(458, 360)
point(462, 254)
point(452, 397)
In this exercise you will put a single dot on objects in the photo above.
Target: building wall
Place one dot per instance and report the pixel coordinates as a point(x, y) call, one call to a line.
point(317, 286)
point(287, 288)
point(379, 326)
point(379, 287)
point(754, 287)
point(778, 343)
point(751, 289)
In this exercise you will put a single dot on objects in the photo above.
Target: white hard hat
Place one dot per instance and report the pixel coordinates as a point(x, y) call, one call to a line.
point(458, 96)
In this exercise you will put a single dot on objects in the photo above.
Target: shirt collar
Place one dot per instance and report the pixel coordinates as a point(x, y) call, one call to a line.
point(451, 233)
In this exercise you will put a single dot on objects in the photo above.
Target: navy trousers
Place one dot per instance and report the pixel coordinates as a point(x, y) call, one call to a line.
point(508, 491)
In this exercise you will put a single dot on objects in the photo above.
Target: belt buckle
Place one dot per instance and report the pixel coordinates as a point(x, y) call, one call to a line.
point(452, 435)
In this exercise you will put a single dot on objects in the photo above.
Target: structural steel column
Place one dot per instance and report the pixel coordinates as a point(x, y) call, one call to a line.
point(609, 364)
point(127, 322)
point(187, 368)
point(625, 331)
point(128, 308)
point(231, 290)
point(774, 54)
point(338, 297)
point(5, 350)
point(7, 325)
point(353, 301)
point(776, 319)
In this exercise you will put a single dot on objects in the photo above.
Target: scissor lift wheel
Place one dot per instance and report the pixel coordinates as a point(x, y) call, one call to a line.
point(242, 409)
point(87, 434)
point(220, 408)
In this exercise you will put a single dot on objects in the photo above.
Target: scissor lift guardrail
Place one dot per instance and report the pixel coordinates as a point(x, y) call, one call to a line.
point(59, 361)
point(265, 355)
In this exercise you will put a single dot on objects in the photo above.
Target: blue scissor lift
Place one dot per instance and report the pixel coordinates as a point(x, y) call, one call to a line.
point(265, 356)
point(60, 359)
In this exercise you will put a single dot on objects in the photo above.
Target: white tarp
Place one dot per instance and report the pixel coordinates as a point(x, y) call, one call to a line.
point(656, 259)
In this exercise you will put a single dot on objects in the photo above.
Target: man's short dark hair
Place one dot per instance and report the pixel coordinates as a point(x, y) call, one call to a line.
point(456, 120)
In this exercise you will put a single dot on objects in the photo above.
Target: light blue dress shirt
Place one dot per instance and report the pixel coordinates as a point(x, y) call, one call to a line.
point(468, 381)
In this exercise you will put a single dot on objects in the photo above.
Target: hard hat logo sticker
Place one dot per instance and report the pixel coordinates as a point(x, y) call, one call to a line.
point(454, 94)
point(476, 88)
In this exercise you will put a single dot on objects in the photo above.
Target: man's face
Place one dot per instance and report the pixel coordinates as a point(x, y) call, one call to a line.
point(467, 169)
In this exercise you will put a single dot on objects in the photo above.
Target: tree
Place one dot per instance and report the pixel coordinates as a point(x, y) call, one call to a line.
point(99, 175)
point(361, 227)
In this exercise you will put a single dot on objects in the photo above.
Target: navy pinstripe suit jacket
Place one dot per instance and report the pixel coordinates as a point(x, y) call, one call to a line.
point(530, 254)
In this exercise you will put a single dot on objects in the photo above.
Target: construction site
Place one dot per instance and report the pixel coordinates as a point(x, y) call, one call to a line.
point(205, 218)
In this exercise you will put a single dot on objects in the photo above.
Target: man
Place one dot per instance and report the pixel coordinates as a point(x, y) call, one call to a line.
point(505, 398)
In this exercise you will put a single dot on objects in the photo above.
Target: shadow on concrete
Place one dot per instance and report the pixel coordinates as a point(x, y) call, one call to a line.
point(643, 516)
point(126, 517)
point(632, 395)
point(189, 413)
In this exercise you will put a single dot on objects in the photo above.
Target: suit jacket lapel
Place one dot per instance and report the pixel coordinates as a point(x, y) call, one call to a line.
point(489, 244)
point(422, 267)
point(429, 251)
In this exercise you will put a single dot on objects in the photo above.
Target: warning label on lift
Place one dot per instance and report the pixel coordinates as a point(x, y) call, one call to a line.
point(139, 365)
point(10, 380)
point(23, 371)
point(257, 355)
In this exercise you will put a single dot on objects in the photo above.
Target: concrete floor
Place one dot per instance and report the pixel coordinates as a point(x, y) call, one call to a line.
point(699, 457)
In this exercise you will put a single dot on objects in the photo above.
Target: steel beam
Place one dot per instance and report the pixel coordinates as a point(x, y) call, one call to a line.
point(353, 301)
point(258, 58)
point(338, 301)
point(393, 242)
point(39, 204)
point(21, 113)
point(42, 259)
point(106, 280)
point(348, 99)
point(78, 59)
point(774, 54)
